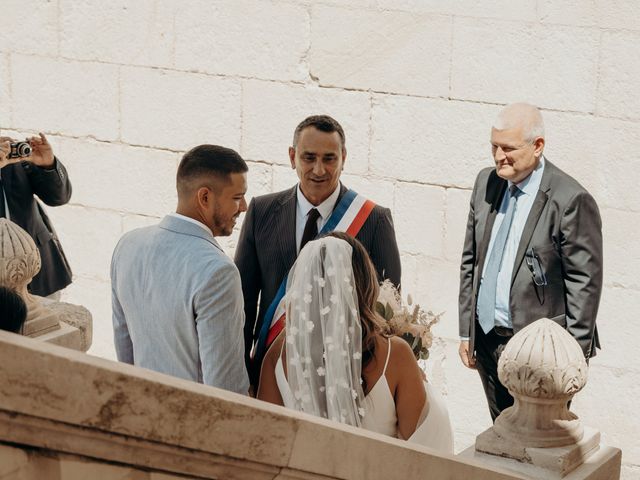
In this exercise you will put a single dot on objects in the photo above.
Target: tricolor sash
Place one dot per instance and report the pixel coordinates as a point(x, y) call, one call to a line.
point(348, 216)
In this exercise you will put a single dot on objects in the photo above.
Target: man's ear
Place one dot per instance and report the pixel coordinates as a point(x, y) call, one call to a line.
point(539, 146)
point(204, 197)
point(292, 157)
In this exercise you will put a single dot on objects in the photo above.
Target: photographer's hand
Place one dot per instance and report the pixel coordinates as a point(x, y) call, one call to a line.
point(5, 148)
point(42, 154)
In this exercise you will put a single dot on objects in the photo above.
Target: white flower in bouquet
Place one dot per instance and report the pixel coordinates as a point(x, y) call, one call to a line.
point(412, 325)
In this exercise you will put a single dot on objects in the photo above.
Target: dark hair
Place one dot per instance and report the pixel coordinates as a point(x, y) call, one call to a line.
point(203, 162)
point(13, 310)
point(367, 289)
point(324, 123)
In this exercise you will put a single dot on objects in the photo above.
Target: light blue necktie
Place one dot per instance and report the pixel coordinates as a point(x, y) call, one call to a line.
point(487, 296)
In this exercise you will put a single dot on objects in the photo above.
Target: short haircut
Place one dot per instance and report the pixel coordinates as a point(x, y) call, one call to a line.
point(203, 163)
point(13, 310)
point(521, 115)
point(324, 123)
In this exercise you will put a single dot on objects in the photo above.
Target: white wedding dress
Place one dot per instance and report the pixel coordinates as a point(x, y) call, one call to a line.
point(434, 431)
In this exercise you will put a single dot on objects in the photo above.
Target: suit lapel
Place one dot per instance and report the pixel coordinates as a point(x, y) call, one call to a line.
point(286, 226)
point(532, 220)
point(495, 190)
point(7, 177)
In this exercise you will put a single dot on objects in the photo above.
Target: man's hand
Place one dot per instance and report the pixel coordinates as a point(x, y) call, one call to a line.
point(5, 148)
point(42, 154)
point(466, 356)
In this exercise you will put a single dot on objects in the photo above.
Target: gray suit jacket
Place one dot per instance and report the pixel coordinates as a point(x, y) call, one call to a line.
point(267, 250)
point(565, 232)
point(177, 305)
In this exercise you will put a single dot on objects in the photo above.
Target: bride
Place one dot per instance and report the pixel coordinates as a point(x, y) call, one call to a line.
point(335, 358)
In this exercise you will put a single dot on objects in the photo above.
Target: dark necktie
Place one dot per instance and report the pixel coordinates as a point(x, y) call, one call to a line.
point(311, 227)
point(3, 213)
point(487, 296)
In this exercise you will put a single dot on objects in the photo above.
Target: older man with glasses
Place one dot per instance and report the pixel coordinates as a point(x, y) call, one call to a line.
point(533, 249)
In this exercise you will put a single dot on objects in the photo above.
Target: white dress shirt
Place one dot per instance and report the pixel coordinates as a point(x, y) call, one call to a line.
point(303, 208)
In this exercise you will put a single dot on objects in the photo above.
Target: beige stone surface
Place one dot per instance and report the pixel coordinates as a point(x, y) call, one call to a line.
point(275, 50)
point(602, 465)
point(69, 402)
point(33, 464)
point(77, 317)
point(554, 462)
point(145, 31)
point(87, 94)
point(5, 85)
point(157, 114)
point(42, 23)
point(552, 82)
point(380, 50)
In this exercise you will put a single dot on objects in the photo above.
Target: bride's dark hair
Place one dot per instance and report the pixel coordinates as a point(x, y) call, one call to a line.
point(367, 289)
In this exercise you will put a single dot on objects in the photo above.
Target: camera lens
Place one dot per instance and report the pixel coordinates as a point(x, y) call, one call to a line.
point(23, 149)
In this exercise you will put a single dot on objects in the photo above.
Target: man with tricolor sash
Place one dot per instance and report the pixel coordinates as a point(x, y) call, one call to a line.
point(278, 225)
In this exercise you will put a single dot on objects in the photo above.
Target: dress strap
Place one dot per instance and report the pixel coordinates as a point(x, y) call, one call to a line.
point(282, 348)
point(388, 355)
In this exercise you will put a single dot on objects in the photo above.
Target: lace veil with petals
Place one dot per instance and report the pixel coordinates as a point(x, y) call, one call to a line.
point(323, 333)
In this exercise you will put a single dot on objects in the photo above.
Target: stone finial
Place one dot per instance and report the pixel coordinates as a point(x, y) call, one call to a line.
point(19, 257)
point(54, 322)
point(543, 367)
point(19, 263)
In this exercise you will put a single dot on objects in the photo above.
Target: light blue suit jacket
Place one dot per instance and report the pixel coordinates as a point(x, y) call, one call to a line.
point(178, 306)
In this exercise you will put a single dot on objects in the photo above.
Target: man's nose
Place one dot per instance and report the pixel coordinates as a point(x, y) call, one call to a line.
point(318, 168)
point(243, 205)
point(499, 154)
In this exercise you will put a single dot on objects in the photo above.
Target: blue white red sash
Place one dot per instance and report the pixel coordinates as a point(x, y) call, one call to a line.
point(348, 216)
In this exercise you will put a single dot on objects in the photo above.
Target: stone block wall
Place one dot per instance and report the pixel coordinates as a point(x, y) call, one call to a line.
point(124, 87)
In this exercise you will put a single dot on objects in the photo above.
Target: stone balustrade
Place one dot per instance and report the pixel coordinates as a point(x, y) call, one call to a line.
point(68, 415)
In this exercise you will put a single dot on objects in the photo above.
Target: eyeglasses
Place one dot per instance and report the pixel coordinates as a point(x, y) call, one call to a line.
point(535, 266)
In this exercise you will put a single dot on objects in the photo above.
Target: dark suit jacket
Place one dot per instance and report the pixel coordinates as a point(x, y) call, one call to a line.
point(21, 181)
point(267, 250)
point(565, 231)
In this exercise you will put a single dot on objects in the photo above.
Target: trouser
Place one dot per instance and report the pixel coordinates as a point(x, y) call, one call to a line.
point(489, 347)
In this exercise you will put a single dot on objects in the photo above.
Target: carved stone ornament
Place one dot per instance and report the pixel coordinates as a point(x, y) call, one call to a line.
point(19, 257)
point(543, 367)
point(19, 263)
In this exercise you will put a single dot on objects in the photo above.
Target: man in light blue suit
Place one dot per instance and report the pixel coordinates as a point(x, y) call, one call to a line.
point(176, 296)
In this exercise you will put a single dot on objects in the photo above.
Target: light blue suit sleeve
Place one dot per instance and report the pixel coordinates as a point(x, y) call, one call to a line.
point(121, 338)
point(219, 314)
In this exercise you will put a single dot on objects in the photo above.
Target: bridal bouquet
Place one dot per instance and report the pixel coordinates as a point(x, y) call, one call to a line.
point(408, 321)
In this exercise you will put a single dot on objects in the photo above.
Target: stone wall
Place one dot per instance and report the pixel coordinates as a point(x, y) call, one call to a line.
point(124, 87)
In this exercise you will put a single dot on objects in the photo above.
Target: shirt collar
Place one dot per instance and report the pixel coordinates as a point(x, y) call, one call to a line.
point(531, 184)
point(192, 220)
point(325, 208)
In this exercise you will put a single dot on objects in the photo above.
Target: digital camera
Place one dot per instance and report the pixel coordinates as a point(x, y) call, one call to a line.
point(19, 150)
